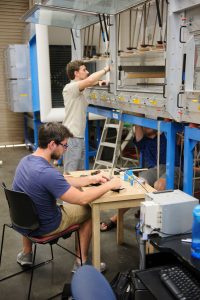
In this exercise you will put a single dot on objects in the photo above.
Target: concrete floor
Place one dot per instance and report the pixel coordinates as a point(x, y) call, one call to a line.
point(49, 279)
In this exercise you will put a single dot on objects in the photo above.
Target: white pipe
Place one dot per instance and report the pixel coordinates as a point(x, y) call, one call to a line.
point(14, 146)
point(47, 113)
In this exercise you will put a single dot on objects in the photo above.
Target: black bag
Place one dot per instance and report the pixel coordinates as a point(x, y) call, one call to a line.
point(123, 285)
point(66, 291)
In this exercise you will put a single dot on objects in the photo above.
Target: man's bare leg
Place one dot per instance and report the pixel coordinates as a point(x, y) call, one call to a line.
point(27, 245)
point(85, 238)
point(104, 226)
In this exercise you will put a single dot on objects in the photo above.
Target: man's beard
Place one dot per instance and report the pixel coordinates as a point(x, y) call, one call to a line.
point(55, 156)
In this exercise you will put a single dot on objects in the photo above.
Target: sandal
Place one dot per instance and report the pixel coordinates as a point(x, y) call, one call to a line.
point(137, 214)
point(108, 226)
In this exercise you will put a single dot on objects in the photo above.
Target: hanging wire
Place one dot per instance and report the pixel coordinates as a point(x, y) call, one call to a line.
point(180, 136)
point(195, 165)
point(158, 150)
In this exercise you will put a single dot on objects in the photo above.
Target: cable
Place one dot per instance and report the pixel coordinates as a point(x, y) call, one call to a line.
point(135, 178)
point(72, 35)
point(180, 136)
point(101, 26)
point(158, 13)
point(105, 26)
point(140, 184)
point(138, 243)
point(195, 163)
point(168, 234)
point(158, 151)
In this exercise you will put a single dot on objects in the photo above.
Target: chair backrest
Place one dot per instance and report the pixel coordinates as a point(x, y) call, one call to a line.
point(22, 210)
point(89, 284)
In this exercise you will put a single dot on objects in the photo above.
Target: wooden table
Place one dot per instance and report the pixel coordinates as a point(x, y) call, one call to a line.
point(130, 197)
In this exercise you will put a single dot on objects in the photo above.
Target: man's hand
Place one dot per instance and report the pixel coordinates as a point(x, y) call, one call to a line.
point(99, 178)
point(103, 82)
point(107, 69)
point(115, 183)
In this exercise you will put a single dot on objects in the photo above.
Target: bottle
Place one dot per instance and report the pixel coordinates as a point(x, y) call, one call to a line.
point(195, 249)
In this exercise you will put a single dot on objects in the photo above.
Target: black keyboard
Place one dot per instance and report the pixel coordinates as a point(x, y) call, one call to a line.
point(181, 283)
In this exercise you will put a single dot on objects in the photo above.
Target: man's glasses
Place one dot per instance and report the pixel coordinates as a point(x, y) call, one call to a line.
point(64, 145)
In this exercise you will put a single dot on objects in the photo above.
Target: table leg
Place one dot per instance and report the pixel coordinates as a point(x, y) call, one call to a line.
point(142, 247)
point(120, 226)
point(96, 236)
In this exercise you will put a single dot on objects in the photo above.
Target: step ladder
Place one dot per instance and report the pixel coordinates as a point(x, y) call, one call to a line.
point(115, 146)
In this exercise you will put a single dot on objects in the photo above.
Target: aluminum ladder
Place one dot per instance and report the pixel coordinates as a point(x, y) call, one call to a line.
point(99, 162)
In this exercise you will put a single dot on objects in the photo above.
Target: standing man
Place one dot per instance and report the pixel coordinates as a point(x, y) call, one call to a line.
point(36, 177)
point(75, 111)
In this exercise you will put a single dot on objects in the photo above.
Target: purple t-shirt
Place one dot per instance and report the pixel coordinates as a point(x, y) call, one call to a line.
point(44, 184)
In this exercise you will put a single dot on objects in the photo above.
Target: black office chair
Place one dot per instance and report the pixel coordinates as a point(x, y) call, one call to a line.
point(89, 284)
point(23, 214)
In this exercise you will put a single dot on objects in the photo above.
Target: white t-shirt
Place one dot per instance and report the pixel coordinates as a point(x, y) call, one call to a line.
point(75, 109)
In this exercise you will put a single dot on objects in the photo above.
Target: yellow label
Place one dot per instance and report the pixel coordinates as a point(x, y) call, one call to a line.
point(136, 101)
point(93, 96)
point(121, 98)
point(154, 102)
point(195, 100)
point(103, 98)
point(23, 95)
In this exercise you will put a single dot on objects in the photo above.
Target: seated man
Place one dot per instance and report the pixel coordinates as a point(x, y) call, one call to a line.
point(44, 184)
point(146, 140)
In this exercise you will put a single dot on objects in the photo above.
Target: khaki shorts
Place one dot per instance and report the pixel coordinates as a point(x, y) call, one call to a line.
point(72, 214)
point(150, 175)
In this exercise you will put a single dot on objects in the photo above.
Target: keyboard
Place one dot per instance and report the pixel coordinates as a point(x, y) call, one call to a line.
point(181, 283)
